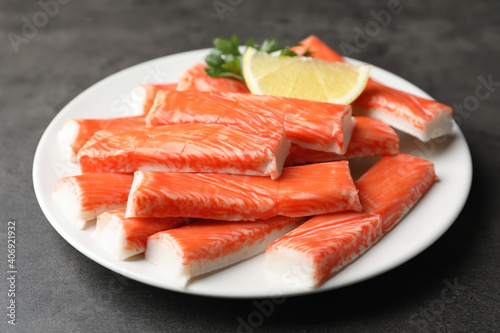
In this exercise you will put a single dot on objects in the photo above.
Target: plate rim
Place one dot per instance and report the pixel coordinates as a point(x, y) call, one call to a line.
point(51, 128)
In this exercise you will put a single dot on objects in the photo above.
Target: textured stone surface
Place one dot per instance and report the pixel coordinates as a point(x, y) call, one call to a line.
point(441, 47)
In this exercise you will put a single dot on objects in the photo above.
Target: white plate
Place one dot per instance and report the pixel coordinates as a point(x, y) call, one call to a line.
point(114, 97)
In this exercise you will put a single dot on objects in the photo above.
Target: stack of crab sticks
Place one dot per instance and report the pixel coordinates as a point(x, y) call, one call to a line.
point(210, 174)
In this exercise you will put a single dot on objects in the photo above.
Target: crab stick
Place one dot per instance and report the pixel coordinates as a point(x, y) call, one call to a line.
point(185, 148)
point(202, 247)
point(300, 191)
point(76, 132)
point(150, 90)
point(370, 137)
point(84, 197)
point(393, 185)
point(423, 118)
point(125, 237)
point(326, 243)
point(322, 246)
point(195, 78)
point(313, 125)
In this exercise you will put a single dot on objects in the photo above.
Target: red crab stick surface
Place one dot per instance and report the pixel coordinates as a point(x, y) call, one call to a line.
point(76, 132)
point(326, 243)
point(150, 90)
point(206, 246)
point(195, 78)
point(420, 117)
point(300, 191)
point(322, 246)
point(393, 185)
point(185, 148)
point(125, 237)
point(370, 137)
point(314, 125)
point(84, 197)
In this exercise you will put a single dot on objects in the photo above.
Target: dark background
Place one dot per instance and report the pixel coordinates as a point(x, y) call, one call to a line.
point(442, 47)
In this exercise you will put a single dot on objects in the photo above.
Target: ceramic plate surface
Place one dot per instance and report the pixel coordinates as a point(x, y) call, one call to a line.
point(116, 96)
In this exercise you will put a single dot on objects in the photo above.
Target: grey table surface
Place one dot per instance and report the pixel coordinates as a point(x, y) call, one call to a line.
point(444, 47)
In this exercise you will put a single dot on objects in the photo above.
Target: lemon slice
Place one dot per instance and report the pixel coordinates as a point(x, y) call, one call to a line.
point(303, 77)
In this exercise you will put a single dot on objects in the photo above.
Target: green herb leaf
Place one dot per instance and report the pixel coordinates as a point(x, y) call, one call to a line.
point(214, 59)
point(270, 46)
point(225, 60)
point(251, 43)
point(288, 53)
point(227, 46)
point(307, 53)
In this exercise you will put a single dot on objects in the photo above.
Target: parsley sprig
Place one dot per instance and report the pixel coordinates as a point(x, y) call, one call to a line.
point(225, 59)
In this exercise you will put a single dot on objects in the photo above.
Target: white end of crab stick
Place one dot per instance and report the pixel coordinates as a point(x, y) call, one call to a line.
point(84, 197)
point(206, 246)
point(149, 91)
point(125, 237)
point(348, 124)
point(439, 125)
point(67, 136)
point(423, 118)
point(322, 246)
point(71, 206)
